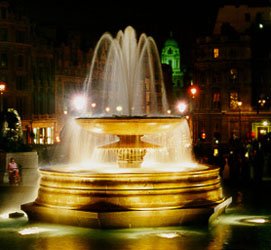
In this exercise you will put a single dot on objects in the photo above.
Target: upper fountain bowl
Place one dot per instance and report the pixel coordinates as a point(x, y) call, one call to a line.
point(129, 125)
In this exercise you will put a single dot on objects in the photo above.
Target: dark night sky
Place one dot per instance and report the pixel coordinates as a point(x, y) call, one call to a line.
point(147, 16)
point(155, 19)
point(185, 19)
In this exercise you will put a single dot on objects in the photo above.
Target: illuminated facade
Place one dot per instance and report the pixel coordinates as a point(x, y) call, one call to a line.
point(232, 69)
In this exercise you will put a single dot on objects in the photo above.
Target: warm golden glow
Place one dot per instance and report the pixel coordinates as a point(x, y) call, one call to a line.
point(2, 87)
point(133, 199)
point(130, 149)
point(128, 126)
point(216, 52)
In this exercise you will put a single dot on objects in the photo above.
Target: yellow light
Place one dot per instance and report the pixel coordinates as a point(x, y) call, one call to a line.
point(265, 123)
point(2, 87)
point(247, 155)
point(262, 131)
point(193, 91)
point(215, 152)
point(216, 52)
point(119, 108)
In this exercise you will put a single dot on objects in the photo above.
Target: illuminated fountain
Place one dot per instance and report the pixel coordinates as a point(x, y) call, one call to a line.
point(138, 169)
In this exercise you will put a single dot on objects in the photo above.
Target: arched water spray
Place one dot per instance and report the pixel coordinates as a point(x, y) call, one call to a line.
point(125, 77)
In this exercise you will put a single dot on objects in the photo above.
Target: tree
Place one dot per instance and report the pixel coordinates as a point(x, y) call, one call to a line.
point(11, 133)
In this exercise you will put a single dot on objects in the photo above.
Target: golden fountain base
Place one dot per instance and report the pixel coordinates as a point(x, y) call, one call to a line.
point(128, 200)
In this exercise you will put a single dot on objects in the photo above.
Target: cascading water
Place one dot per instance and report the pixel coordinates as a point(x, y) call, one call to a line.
point(138, 169)
point(125, 77)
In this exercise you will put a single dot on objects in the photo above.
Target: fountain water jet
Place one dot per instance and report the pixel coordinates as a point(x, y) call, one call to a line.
point(134, 188)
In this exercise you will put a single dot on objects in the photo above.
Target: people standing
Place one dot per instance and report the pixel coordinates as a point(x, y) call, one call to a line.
point(13, 172)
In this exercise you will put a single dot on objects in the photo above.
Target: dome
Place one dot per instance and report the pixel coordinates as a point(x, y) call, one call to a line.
point(171, 43)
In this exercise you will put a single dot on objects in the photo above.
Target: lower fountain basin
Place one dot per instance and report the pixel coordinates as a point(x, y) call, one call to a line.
point(167, 198)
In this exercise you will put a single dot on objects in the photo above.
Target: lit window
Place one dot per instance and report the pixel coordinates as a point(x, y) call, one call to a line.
point(233, 73)
point(216, 100)
point(216, 52)
point(233, 100)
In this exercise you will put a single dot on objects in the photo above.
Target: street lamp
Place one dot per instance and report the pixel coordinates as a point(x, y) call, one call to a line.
point(2, 90)
point(193, 91)
point(239, 103)
point(181, 107)
point(261, 102)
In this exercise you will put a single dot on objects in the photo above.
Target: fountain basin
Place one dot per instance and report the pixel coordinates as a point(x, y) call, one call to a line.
point(130, 149)
point(128, 125)
point(127, 200)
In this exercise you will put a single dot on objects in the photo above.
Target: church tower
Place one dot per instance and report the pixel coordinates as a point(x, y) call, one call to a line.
point(171, 56)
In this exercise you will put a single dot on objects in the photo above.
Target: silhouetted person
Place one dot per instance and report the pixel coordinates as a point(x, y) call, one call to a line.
point(258, 163)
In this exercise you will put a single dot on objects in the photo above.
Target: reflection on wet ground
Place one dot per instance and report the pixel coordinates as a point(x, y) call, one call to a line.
point(245, 225)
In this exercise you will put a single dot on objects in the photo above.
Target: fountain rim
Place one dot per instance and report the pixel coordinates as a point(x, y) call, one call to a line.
point(89, 173)
point(130, 118)
point(129, 125)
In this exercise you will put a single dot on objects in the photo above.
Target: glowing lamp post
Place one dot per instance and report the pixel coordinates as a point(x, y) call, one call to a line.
point(2, 90)
point(262, 102)
point(181, 107)
point(193, 91)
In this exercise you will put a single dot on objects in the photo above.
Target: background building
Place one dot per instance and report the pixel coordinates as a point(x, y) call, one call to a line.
point(40, 76)
point(232, 71)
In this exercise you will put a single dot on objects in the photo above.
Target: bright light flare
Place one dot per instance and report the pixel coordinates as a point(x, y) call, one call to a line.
point(257, 220)
point(119, 108)
point(265, 123)
point(79, 102)
point(2, 87)
point(4, 215)
point(168, 235)
point(34, 230)
point(182, 106)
